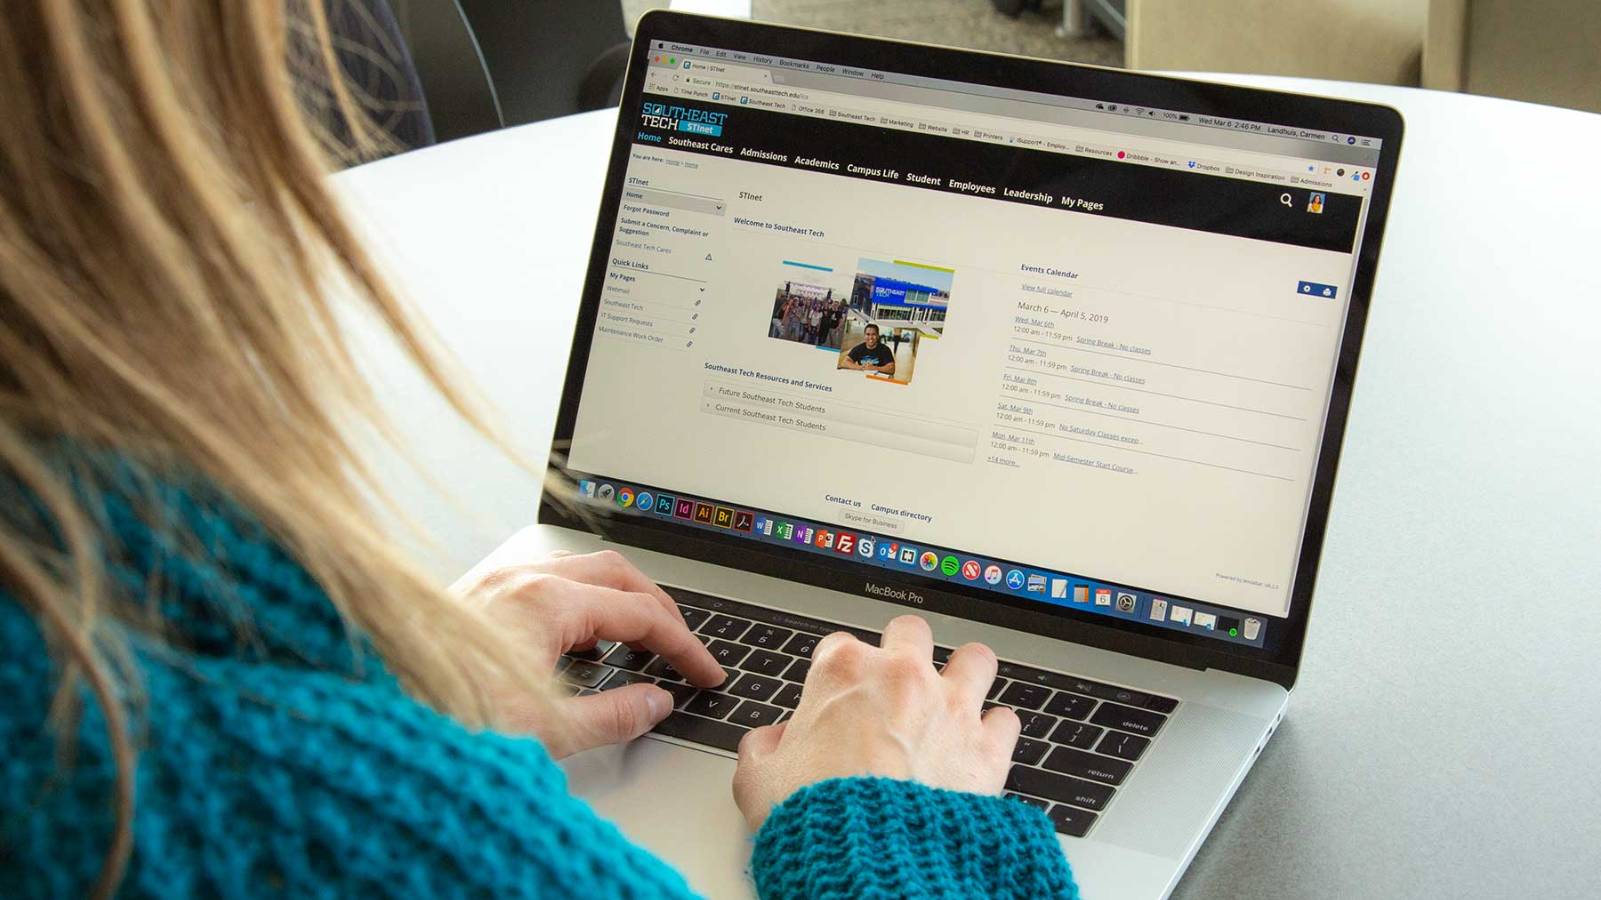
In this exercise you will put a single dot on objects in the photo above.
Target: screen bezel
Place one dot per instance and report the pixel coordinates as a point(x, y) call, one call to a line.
point(1118, 86)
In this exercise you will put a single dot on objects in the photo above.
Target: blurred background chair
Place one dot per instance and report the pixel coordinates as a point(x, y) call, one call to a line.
point(486, 64)
point(461, 97)
point(377, 64)
point(550, 58)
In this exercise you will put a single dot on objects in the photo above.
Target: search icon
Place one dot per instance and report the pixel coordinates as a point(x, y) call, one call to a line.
point(1284, 198)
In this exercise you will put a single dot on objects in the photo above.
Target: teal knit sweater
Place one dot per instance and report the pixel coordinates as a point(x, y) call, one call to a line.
point(288, 761)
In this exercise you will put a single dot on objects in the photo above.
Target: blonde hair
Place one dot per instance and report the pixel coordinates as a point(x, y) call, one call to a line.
point(167, 245)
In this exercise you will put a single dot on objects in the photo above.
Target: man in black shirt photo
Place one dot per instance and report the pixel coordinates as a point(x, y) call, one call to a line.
point(871, 355)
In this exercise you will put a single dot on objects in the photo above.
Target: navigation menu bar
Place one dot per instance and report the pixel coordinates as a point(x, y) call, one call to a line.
point(1216, 199)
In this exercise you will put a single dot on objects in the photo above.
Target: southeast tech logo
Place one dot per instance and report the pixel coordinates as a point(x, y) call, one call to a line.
point(687, 119)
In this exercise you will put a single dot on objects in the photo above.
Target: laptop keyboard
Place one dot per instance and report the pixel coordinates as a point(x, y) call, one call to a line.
point(1081, 739)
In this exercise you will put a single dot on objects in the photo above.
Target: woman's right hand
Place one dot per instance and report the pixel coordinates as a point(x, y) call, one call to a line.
point(882, 711)
point(561, 602)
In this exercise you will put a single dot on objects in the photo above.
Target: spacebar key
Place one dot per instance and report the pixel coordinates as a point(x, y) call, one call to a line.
point(702, 731)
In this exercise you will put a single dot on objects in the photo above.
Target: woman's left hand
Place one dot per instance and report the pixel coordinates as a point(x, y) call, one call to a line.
point(569, 602)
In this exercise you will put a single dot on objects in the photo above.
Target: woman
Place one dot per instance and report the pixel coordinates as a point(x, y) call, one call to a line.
point(220, 676)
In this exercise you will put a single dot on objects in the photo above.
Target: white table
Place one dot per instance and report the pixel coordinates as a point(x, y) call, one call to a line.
point(1445, 737)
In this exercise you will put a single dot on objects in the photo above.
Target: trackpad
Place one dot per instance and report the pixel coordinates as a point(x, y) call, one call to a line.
point(677, 803)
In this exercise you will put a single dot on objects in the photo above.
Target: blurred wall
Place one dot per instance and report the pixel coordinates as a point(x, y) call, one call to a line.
point(1354, 40)
point(1544, 51)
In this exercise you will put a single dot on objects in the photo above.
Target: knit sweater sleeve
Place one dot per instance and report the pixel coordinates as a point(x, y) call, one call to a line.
point(254, 780)
point(880, 838)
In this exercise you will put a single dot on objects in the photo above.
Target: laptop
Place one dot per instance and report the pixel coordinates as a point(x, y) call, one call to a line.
point(1054, 356)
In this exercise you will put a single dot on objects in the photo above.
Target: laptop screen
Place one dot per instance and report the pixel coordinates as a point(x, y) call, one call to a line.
point(1063, 351)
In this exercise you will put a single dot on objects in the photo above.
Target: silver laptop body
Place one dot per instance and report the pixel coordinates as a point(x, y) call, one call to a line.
point(763, 174)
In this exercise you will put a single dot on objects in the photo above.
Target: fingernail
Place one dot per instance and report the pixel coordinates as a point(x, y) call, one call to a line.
point(660, 703)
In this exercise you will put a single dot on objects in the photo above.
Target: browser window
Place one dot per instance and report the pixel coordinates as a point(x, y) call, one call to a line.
point(1074, 354)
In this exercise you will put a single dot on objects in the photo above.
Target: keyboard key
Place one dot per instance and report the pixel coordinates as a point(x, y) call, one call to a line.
point(593, 654)
point(1036, 725)
point(1031, 801)
point(1077, 734)
point(1123, 746)
point(1040, 677)
point(1087, 765)
point(1132, 698)
point(755, 715)
point(1029, 752)
point(562, 662)
point(1163, 705)
point(765, 662)
point(942, 655)
point(711, 705)
point(1024, 696)
point(995, 688)
point(693, 617)
point(789, 696)
point(632, 660)
point(1069, 706)
point(661, 668)
point(1127, 718)
point(585, 673)
point(623, 678)
point(726, 627)
point(798, 670)
point(770, 637)
point(755, 687)
point(785, 716)
point(1072, 821)
point(1107, 692)
point(728, 654)
point(801, 645)
point(1077, 791)
point(702, 731)
point(681, 692)
point(730, 675)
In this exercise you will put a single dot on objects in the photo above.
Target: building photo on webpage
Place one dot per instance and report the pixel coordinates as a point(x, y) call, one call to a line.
point(894, 307)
